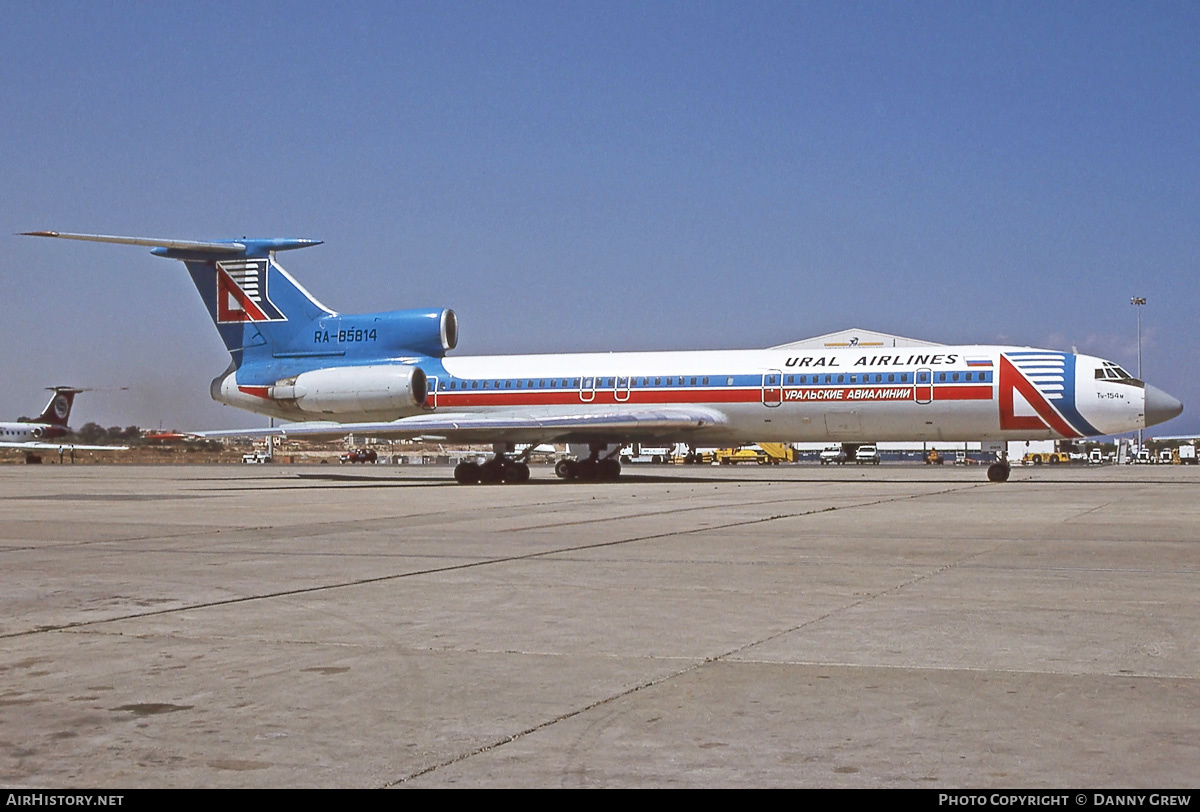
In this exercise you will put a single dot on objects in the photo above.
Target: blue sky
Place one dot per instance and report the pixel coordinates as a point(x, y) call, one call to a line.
point(602, 176)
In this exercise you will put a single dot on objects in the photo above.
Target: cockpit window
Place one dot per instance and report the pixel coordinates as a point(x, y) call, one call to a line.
point(1108, 371)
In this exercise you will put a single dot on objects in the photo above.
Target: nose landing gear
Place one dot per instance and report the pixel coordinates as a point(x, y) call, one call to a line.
point(999, 471)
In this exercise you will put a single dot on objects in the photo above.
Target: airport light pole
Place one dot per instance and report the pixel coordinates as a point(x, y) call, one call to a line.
point(1138, 302)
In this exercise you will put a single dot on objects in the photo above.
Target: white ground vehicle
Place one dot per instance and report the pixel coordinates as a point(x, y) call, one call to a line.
point(638, 453)
point(832, 454)
point(866, 455)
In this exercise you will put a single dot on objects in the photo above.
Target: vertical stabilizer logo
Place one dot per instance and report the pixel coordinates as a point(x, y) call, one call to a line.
point(242, 292)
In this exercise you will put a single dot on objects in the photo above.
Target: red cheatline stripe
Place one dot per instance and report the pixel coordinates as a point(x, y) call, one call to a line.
point(962, 392)
point(570, 397)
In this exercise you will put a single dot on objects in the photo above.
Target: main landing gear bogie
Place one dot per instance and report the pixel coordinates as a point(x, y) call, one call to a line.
point(493, 472)
point(594, 468)
point(589, 470)
point(506, 471)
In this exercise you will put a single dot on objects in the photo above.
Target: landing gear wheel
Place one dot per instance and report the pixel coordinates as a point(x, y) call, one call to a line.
point(608, 470)
point(566, 469)
point(516, 473)
point(491, 473)
point(589, 470)
point(466, 473)
point(998, 472)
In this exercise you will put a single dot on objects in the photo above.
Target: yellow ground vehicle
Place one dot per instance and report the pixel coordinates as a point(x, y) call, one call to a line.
point(693, 458)
point(1048, 458)
point(934, 458)
point(780, 452)
point(732, 456)
point(762, 454)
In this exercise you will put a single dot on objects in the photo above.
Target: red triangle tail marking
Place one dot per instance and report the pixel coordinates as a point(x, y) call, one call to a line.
point(227, 288)
point(1010, 379)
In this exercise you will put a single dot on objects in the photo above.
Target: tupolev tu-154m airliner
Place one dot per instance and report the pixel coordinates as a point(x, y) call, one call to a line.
point(388, 374)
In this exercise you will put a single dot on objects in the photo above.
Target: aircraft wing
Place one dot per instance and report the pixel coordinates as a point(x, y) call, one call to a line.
point(43, 446)
point(519, 427)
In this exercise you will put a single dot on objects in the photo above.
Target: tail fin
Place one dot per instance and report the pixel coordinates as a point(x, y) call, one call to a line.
point(257, 307)
point(255, 304)
point(58, 410)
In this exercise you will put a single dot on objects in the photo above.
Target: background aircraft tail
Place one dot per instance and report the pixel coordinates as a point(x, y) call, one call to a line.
point(58, 410)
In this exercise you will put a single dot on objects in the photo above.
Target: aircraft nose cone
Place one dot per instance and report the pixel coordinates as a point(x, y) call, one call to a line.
point(1160, 407)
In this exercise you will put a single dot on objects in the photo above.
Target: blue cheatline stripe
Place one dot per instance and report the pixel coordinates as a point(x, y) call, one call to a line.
point(715, 382)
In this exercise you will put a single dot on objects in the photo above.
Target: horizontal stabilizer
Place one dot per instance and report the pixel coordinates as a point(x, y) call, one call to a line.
point(149, 242)
point(188, 248)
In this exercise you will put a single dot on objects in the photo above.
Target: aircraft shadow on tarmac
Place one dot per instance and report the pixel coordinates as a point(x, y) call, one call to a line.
point(402, 480)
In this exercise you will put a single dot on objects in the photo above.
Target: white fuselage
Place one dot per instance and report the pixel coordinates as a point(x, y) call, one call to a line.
point(849, 395)
point(27, 432)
